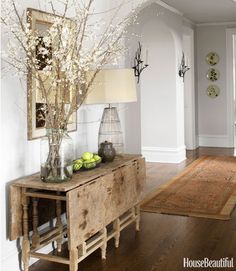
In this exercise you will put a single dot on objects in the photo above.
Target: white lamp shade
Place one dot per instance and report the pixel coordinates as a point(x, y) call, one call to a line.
point(113, 86)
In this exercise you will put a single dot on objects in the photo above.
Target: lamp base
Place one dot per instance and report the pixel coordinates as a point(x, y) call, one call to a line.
point(110, 129)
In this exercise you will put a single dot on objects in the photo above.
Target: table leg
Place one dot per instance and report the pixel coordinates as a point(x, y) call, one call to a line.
point(59, 225)
point(82, 249)
point(137, 211)
point(35, 236)
point(74, 259)
point(104, 246)
point(116, 226)
point(25, 242)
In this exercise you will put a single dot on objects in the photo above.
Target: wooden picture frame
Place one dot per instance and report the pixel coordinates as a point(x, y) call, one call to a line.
point(36, 106)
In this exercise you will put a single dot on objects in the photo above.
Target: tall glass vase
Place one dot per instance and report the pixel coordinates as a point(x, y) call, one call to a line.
point(57, 156)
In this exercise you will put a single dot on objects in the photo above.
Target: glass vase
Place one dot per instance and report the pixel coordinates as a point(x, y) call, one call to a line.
point(57, 156)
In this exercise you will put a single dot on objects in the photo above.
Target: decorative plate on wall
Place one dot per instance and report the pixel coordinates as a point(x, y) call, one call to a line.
point(213, 91)
point(212, 58)
point(213, 74)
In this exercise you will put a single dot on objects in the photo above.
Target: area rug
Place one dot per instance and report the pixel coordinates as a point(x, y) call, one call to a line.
point(206, 188)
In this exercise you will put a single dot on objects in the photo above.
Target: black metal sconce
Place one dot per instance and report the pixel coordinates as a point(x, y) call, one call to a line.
point(183, 67)
point(139, 65)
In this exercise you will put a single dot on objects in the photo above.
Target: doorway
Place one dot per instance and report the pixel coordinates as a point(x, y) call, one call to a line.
point(231, 84)
point(234, 84)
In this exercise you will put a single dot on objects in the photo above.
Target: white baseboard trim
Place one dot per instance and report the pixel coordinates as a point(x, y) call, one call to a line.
point(164, 155)
point(214, 141)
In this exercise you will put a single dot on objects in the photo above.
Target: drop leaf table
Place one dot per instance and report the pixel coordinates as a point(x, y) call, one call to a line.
point(90, 209)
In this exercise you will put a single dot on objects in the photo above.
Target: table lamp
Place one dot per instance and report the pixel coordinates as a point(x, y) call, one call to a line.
point(112, 86)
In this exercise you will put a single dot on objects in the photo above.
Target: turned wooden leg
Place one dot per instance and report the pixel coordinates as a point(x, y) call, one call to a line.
point(104, 246)
point(74, 259)
point(137, 211)
point(59, 225)
point(35, 236)
point(116, 227)
point(25, 242)
point(82, 249)
point(133, 211)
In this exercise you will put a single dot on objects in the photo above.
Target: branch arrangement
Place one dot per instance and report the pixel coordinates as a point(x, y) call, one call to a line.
point(67, 57)
point(63, 61)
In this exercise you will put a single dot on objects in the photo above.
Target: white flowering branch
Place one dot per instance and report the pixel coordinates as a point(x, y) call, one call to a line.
point(69, 55)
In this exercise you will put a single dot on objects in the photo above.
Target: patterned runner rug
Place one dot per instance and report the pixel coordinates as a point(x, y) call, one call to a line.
point(206, 188)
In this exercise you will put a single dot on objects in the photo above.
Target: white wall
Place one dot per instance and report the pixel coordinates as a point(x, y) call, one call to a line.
point(231, 70)
point(158, 97)
point(161, 103)
point(234, 83)
point(212, 113)
point(189, 90)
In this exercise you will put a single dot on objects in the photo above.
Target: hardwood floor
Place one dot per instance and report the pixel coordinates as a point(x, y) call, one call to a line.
point(164, 240)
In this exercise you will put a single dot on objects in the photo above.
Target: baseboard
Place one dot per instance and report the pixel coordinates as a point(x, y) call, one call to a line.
point(164, 155)
point(213, 141)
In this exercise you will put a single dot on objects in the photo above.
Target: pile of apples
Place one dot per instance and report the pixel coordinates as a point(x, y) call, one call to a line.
point(88, 160)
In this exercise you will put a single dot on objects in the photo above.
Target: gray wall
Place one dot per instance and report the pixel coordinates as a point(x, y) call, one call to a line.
point(212, 113)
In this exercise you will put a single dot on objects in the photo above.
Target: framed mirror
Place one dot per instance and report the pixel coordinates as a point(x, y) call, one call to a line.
point(36, 106)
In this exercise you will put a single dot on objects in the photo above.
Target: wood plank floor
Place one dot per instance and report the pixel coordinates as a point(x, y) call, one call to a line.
point(164, 240)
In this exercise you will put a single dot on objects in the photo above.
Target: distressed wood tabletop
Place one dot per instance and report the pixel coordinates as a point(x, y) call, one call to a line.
point(79, 178)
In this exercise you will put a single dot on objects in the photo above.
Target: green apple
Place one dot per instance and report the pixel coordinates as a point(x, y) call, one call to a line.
point(97, 158)
point(87, 156)
point(77, 166)
point(92, 160)
point(78, 161)
point(89, 164)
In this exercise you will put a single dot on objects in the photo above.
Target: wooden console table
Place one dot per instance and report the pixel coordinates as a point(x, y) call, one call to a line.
point(98, 203)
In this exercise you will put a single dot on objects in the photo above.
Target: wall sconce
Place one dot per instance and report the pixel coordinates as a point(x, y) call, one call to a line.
point(139, 65)
point(183, 67)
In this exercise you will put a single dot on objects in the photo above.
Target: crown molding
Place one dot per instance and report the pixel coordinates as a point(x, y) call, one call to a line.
point(172, 9)
point(178, 12)
point(215, 23)
point(189, 21)
point(164, 5)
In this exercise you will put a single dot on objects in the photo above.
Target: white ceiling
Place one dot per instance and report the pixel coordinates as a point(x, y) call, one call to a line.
point(206, 11)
